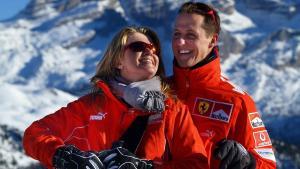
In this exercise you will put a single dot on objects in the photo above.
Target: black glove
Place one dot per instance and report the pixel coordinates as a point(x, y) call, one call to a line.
point(233, 155)
point(121, 158)
point(70, 157)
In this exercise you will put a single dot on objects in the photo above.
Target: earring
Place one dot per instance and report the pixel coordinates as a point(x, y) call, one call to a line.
point(120, 66)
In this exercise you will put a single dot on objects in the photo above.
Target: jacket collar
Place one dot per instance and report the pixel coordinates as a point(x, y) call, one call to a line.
point(108, 93)
point(118, 103)
point(205, 75)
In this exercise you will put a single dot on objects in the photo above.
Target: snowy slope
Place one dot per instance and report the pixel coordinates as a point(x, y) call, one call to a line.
point(49, 51)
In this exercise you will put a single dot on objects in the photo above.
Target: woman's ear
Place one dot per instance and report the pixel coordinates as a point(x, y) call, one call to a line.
point(119, 65)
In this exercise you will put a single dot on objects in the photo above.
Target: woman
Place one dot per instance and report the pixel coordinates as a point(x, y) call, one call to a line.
point(129, 98)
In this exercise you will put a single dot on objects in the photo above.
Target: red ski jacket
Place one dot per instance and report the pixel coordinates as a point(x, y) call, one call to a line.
point(221, 110)
point(95, 121)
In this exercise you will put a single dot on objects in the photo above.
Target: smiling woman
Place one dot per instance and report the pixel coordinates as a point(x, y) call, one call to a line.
point(10, 8)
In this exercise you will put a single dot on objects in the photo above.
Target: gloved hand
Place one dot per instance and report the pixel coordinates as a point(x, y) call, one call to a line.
point(145, 95)
point(233, 155)
point(121, 158)
point(70, 157)
point(153, 101)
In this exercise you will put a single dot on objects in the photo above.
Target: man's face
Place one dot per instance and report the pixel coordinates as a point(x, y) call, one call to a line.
point(190, 42)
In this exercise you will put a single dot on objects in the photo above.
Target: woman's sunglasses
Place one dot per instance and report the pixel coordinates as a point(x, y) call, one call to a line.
point(140, 46)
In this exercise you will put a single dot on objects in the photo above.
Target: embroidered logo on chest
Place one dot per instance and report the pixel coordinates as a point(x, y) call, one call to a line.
point(208, 133)
point(212, 109)
point(99, 116)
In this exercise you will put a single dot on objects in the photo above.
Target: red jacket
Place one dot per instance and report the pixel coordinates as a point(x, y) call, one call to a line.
point(222, 110)
point(94, 122)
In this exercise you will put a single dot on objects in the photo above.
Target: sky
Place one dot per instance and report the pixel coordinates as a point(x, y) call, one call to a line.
point(9, 8)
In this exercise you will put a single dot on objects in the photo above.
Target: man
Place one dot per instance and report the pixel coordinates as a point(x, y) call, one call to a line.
point(225, 116)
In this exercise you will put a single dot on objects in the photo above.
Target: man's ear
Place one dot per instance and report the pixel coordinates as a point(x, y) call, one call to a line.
point(213, 41)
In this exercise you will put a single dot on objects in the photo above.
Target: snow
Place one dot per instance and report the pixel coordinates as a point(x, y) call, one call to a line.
point(21, 105)
point(229, 62)
point(235, 22)
point(31, 64)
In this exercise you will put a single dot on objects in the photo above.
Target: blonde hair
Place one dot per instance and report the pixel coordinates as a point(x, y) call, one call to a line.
point(106, 68)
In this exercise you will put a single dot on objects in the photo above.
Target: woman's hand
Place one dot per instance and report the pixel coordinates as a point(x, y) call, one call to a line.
point(121, 158)
point(69, 156)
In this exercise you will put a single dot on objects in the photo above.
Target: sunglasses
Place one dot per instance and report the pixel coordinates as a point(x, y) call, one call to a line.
point(140, 46)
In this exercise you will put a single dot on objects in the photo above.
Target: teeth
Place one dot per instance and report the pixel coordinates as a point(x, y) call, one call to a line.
point(147, 61)
point(184, 51)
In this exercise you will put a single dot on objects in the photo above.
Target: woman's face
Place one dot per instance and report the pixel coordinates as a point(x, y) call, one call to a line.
point(139, 62)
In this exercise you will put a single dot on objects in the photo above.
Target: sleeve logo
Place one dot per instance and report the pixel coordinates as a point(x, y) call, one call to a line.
point(212, 109)
point(255, 120)
point(266, 153)
point(262, 138)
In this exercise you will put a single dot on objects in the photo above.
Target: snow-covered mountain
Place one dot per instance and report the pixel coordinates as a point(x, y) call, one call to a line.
point(49, 51)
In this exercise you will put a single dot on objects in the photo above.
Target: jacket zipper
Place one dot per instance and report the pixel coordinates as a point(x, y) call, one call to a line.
point(187, 86)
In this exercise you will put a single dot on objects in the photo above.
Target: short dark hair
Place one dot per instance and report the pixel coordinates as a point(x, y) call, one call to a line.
point(211, 18)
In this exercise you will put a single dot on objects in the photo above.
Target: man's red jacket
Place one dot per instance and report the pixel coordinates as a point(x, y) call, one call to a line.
point(221, 110)
point(95, 121)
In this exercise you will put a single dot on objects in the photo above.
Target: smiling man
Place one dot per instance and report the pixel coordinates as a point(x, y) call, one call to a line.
point(225, 115)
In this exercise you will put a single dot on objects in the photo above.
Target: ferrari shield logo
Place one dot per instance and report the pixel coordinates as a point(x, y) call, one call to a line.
point(212, 109)
point(203, 107)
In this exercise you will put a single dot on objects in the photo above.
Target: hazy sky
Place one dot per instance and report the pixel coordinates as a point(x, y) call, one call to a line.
point(9, 8)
